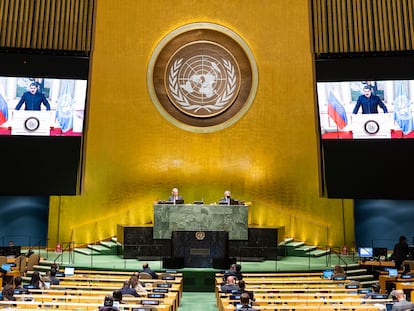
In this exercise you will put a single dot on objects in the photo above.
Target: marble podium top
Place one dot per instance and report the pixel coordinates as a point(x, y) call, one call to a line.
point(185, 217)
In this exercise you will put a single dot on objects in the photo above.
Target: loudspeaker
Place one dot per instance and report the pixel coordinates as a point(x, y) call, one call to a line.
point(173, 263)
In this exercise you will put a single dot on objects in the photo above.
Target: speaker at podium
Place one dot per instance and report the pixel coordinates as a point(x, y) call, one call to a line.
point(29, 122)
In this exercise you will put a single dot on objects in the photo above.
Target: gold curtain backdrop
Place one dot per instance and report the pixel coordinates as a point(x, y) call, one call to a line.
point(343, 26)
point(133, 156)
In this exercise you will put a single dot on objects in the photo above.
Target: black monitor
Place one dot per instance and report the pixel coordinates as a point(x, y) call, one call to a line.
point(150, 302)
point(380, 251)
point(156, 295)
point(160, 290)
point(379, 296)
point(10, 251)
point(339, 278)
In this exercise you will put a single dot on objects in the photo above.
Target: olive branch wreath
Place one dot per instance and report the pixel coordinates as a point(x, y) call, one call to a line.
point(221, 101)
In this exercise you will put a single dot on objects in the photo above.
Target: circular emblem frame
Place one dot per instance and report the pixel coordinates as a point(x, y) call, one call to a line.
point(371, 127)
point(200, 235)
point(202, 77)
point(31, 124)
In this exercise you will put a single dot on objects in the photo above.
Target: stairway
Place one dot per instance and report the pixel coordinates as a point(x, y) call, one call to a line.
point(107, 247)
point(356, 273)
point(290, 247)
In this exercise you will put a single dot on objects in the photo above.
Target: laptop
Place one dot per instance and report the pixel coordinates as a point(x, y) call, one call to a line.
point(6, 267)
point(392, 272)
point(69, 271)
point(327, 274)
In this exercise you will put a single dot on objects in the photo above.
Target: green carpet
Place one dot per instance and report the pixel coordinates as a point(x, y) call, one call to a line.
point(198, 302)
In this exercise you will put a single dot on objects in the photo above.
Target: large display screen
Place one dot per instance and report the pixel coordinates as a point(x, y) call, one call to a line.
point(366, 109)
point(43, 113)
point(364, 105)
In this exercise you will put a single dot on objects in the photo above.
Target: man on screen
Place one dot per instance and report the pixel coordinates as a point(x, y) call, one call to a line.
point(33, 99)
point(369, 102)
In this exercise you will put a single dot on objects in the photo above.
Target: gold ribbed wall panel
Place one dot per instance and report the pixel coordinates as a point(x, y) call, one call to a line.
point(353, 26)
point(60, 25)
point(134, 156)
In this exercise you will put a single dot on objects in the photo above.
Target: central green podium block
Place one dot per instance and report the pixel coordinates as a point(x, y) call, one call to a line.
point(198, 217)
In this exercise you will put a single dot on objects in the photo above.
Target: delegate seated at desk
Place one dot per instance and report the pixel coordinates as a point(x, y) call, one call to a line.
point(175, 197)
point(227, 199)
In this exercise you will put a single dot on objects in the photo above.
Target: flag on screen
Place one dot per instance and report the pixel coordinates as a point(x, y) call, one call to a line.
point(402, 110)
point(64, 109)
point(4, 111)
point(337, 111)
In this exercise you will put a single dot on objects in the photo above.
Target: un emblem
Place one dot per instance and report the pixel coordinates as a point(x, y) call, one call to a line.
point(202, 77)
point(203, 85)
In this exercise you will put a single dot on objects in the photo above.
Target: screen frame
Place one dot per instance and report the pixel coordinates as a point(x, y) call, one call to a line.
point(364, 168)
point(44, 165)
point(369, 252)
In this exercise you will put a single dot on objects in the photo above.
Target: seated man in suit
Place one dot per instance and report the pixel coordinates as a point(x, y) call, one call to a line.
point(226, 199)
point(108, 304)
point(175, 196)
point(246, 303)
point(402, 304)
point(234, 271)
point(126, 289)
point(230, 285)
point(146, 268)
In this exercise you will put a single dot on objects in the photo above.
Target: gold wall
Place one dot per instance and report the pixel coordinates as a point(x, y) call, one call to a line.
point(133, 156)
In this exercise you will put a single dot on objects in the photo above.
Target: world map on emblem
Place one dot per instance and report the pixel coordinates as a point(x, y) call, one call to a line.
point(202, 77)
point(202, 84)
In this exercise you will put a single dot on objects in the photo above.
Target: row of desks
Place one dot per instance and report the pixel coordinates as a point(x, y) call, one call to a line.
point(86, 291)
point(297, 292)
